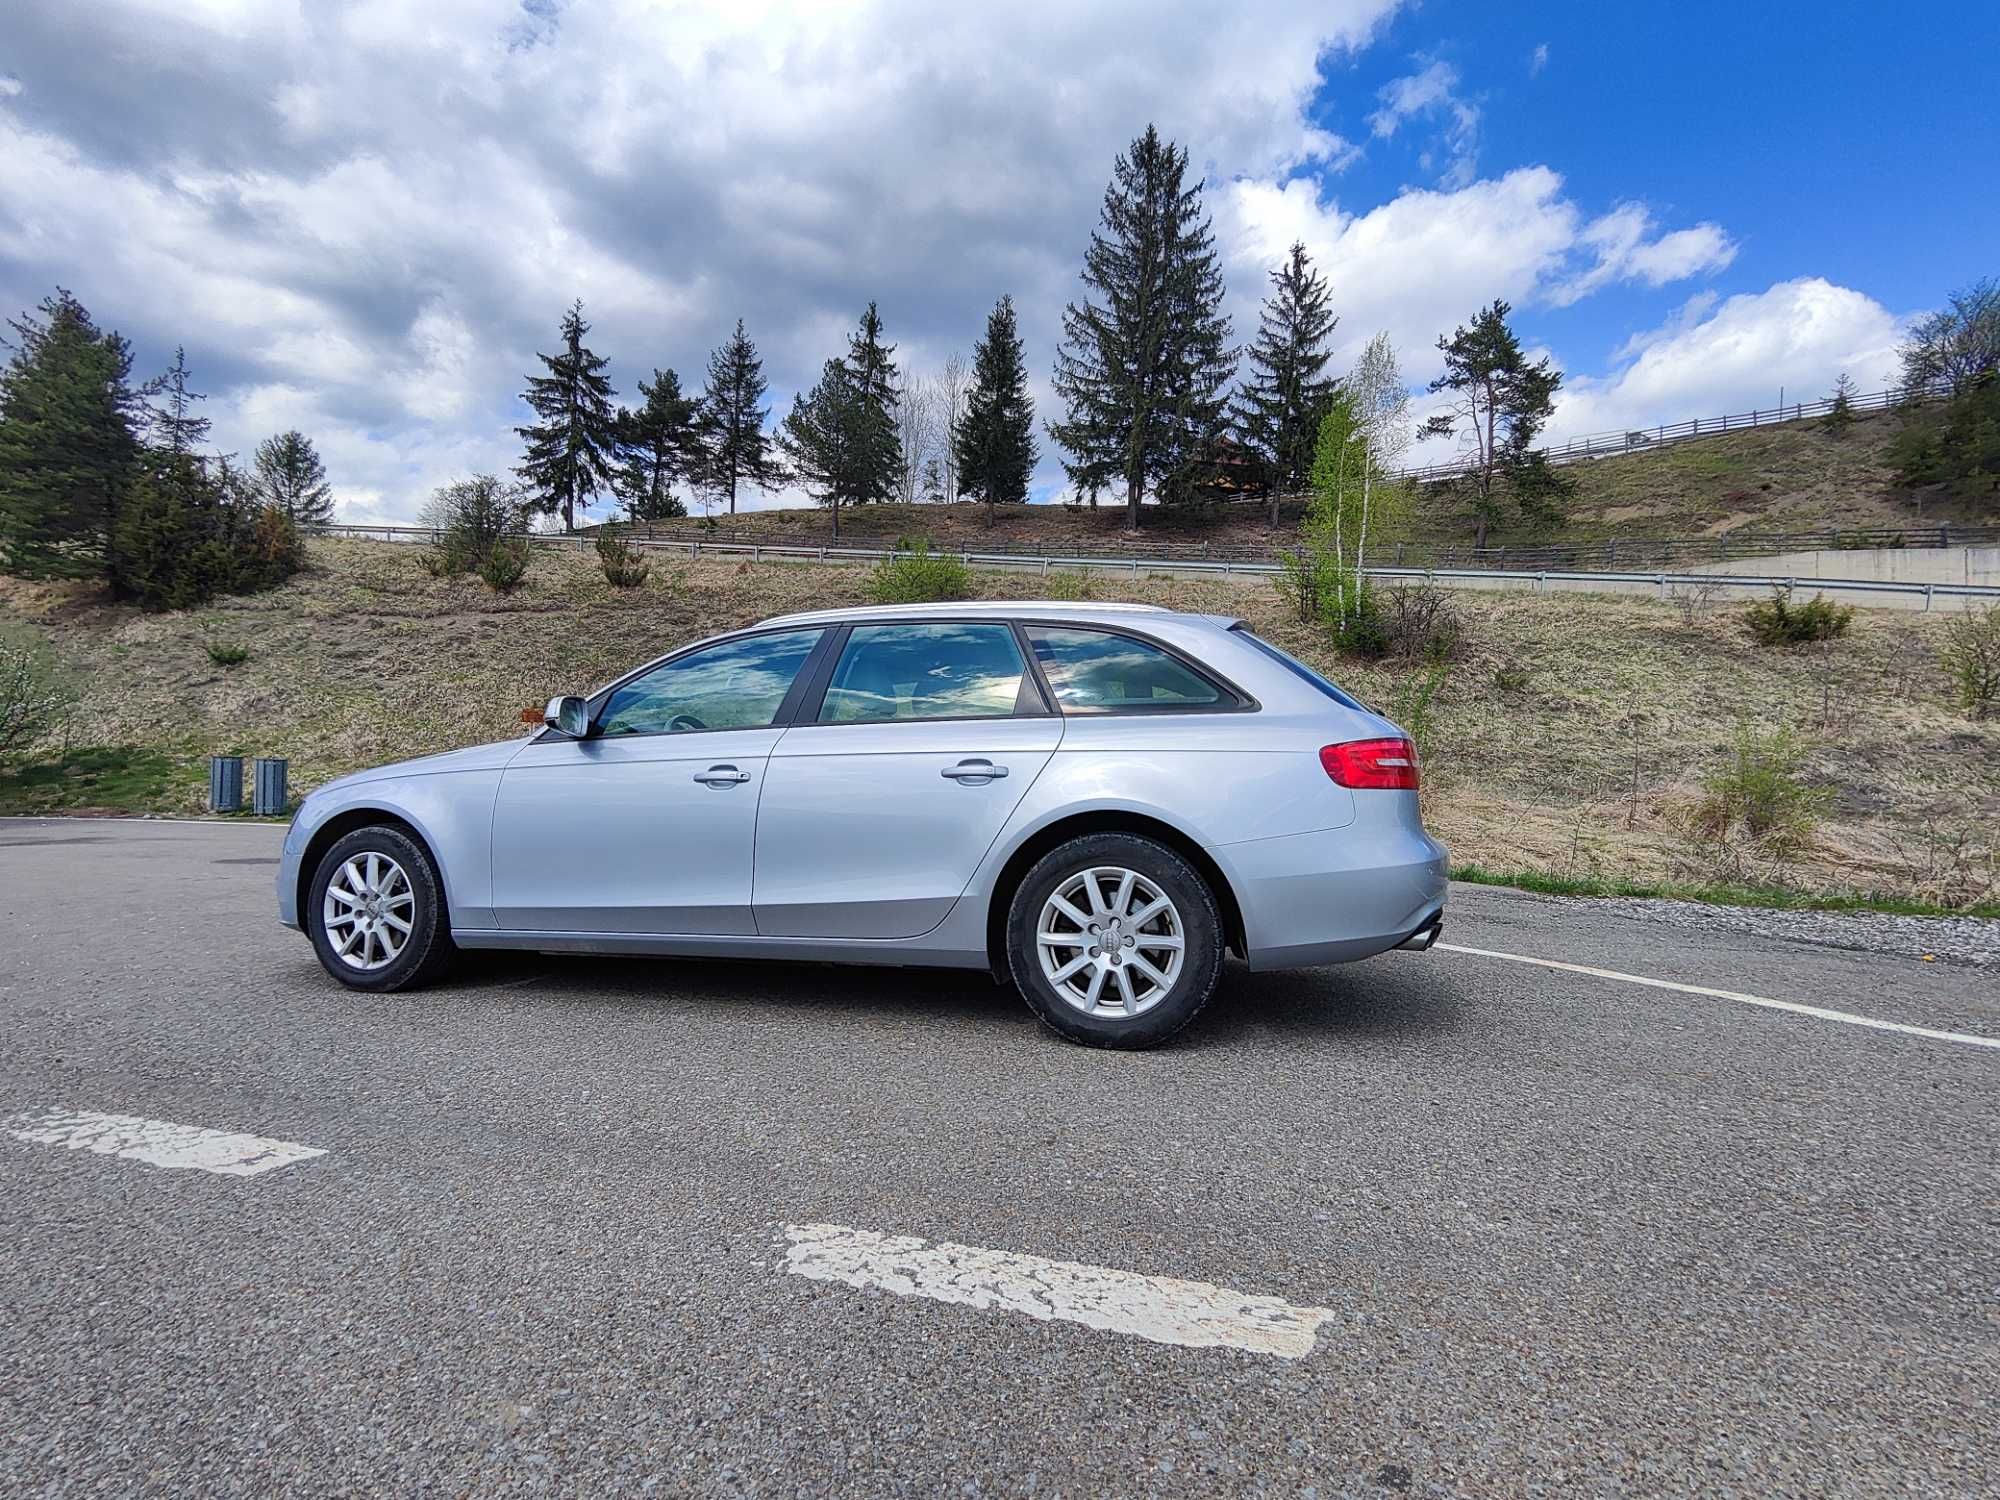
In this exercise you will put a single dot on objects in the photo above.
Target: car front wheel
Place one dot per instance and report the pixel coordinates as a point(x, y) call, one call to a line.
point(376, 912)
point(1115, 940)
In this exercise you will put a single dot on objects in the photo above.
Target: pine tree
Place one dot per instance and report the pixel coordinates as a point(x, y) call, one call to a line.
point(663, 442)
point(68, 445)
point(1500, 402)
point(172, 425)
point(570, 450)
point(1279, 408)
point(819, 438)
point(875, 450)
point(291, 478)
point(995, 441)
point(739, 451)
point(1145, 356)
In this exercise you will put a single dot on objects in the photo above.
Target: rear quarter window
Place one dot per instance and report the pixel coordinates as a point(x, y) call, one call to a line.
point(1299, 669)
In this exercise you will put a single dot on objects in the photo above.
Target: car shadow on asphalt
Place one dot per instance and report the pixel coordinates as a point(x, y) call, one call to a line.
point(1387, 998)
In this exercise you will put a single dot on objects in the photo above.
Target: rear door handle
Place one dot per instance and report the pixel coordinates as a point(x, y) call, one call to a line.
point(974, 770)
point(722, 776)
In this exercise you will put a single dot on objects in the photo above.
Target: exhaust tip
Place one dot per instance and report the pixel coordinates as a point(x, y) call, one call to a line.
point(1424, 937)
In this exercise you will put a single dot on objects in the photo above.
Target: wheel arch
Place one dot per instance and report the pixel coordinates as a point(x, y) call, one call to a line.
point(1104, 820)
point(349, 820)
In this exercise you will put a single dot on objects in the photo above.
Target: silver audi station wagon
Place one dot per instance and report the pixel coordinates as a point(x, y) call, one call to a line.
point(1094, 800)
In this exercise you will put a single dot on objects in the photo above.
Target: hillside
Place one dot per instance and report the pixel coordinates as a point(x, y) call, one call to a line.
point(1589, 768)
point(1787, 478)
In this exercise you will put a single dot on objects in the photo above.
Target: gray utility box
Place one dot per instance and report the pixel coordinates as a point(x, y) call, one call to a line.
point(225, 783)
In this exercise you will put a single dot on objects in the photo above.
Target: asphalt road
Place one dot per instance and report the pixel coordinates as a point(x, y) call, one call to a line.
point(1575, 1235)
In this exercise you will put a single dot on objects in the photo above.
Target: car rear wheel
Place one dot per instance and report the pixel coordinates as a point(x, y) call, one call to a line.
point(1114, 940)
point(376, 912)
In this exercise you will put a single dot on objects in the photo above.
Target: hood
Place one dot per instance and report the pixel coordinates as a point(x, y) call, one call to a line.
point(473, 758)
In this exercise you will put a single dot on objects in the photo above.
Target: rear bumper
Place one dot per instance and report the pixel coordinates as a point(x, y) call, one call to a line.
point(1339, 895)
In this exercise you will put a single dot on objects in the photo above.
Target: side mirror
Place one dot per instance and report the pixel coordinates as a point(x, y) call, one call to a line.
point(568, 715)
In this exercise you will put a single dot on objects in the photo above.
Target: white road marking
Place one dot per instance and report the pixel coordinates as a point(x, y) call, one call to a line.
point(1845, 1017)
point(1163, 1309)
point(159, 1143)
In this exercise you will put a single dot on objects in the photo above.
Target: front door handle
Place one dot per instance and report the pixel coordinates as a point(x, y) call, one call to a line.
point(722, 776)
point(974, 770)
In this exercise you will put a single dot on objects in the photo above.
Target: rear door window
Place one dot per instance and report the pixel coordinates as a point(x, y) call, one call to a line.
point(1102, 672)
point(1299, 669)
point(892, 673)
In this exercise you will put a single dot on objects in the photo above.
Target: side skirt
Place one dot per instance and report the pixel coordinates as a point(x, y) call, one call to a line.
point(691, 945)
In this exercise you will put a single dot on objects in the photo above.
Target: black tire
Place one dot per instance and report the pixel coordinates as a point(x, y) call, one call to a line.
point(427, 951)
point(1201, 932)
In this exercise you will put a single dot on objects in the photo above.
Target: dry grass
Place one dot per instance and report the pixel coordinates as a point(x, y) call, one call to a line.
point(1587, 769)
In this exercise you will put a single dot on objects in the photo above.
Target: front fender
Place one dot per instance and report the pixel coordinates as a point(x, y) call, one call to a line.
point(452, 812)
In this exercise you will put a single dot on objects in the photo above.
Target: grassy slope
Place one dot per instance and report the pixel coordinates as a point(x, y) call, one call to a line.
point(366, 659)
point(1794, 477)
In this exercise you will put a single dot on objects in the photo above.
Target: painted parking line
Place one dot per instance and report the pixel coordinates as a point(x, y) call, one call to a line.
point(1819, 1012)
point(1164, 1309)
point(158, 1143)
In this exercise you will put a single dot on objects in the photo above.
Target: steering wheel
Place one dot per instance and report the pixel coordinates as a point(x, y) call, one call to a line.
point(682, 722)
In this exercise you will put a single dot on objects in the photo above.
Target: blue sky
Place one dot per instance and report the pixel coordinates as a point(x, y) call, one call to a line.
point(1853, 142)
point(363, 217)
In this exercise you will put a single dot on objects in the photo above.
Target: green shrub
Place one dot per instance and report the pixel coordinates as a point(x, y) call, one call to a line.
point(1971, 659)
point(183, 536)
point(1070, 584)
point(1412, 708)
point(1759, 792)
point(916, 575)
point(1778, 622)
point(36, 693)
point(624, 568)
point(505, 566)
point(228, 653)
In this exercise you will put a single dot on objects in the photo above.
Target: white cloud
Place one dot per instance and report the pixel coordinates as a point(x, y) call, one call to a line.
point(1735, 355)
point(1420, 264)
point(1624, 247)
point(1432, 93)
point(1538, 59)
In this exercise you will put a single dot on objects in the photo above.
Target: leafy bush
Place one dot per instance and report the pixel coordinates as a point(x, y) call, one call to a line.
point(916, 575)
point(1070, 583)
point(35, 692)
point(1954, 443)
point(228, 653)
point(1759, 792)
point(505, 566)
point(471, 517)
point(1971, 658)
point(1778, 622)
point(184, 536)
point(623, 567)
point(1412, 709)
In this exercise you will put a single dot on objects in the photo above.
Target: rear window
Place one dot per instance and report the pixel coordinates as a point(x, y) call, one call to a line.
point(1299, 669)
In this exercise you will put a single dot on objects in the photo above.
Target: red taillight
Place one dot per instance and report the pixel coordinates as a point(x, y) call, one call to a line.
point(1384, 765)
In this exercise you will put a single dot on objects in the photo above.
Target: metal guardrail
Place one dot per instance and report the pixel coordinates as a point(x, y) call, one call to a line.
point(1631, 555)
point(1644, 439)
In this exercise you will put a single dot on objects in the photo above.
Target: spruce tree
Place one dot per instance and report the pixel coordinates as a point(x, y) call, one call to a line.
point(1280, 406)
point(68, 448)
point(739, 452)
point(874, 449)
point(291, 478)
point(820, 439)
point(660, 444)
point(1145, 355)
point(995, 440)
point(570, 450)
point(172, 426)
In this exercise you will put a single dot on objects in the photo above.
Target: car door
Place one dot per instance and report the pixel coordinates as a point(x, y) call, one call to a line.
point(880, 802)
point(647, 825)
